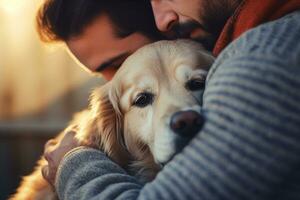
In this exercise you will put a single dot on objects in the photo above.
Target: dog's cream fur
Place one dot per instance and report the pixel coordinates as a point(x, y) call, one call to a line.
point(137, 137)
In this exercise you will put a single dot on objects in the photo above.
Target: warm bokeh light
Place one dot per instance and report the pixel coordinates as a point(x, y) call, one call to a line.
point(13, 6)
point(40, 88)
point(32, 75)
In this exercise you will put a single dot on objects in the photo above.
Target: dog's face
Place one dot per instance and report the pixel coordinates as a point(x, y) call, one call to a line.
point(151, 108)
point(158, 92)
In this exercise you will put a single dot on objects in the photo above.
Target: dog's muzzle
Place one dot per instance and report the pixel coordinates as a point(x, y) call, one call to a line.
point(186, 124)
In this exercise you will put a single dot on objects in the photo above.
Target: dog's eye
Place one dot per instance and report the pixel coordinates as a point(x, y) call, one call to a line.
point(143, 99)
point(195, 84)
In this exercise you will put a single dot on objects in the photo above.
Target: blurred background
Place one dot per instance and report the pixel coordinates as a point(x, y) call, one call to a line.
point(41, 87)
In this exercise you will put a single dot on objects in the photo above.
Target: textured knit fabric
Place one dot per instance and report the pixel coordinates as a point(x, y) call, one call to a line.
point(249, 147)
point(252, 13)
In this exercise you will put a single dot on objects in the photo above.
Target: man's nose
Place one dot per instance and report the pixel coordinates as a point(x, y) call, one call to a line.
point(165, 16)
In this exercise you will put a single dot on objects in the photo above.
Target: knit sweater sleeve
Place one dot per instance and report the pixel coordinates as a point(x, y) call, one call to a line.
point(249, 146)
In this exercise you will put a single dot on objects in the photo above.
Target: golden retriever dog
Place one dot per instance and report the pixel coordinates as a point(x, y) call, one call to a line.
point(145, 115)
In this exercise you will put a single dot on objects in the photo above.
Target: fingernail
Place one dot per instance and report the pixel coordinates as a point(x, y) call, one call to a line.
point(45, 172)
point(49, 143)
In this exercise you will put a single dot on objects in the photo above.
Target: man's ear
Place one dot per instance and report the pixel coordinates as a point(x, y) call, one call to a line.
point(107, 125)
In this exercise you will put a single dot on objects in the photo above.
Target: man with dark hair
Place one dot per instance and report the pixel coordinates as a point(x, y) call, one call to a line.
point(100, 34)
point(249, 145)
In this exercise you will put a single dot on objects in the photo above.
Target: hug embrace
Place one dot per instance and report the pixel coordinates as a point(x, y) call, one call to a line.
point(210, 112)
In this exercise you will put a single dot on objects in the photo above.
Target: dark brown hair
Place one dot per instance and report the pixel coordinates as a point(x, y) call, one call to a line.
point(58, 20)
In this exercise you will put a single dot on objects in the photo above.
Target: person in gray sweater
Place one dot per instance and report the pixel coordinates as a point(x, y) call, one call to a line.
point(249, 146)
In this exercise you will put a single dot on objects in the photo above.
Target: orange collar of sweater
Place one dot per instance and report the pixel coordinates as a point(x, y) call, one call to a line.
point(250, 14)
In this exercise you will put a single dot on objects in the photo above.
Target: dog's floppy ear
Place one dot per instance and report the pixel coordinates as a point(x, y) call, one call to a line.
point(105, 126)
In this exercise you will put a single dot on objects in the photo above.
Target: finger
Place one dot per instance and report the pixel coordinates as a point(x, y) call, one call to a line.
point(69, 138)
point(72, 128)
point(50, 143)
point(46, 173)
point(69, 135)
point(48, 156)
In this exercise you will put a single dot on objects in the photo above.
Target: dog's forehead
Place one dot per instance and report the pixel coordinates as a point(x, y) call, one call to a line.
point(162, 59)
point(137, 66)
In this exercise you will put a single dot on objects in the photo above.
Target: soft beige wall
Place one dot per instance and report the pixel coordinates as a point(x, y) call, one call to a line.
point(32, 74)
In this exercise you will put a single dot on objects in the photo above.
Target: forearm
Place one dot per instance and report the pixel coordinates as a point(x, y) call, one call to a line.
point(86, 173)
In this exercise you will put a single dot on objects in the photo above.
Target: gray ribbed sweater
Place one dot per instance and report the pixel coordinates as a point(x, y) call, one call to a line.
point(249, 147)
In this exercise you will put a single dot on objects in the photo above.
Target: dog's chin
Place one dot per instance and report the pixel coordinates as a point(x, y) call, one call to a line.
point(179, 144)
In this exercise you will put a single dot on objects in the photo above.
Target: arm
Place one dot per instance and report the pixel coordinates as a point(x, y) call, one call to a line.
point(249, 146)
point(85, 172)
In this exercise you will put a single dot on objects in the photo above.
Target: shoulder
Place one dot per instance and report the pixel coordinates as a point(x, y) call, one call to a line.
point(274, 43)
point(273, 37)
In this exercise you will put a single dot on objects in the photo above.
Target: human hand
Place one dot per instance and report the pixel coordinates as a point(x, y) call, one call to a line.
point(54, 152)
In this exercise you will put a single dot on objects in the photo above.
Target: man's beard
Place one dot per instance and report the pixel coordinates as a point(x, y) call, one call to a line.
point(183, 30)
point(214, 15)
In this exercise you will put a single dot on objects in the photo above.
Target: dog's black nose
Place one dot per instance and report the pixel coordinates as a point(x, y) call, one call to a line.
point(186, 123)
